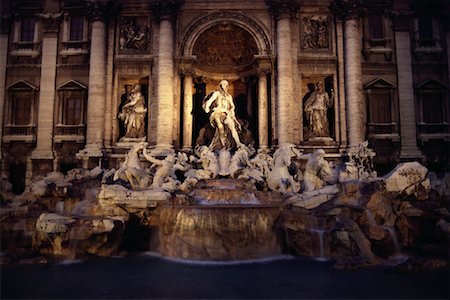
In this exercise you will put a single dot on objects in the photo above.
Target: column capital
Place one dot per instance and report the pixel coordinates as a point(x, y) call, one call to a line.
point(165, 9)
point(282, 8)
point(50, 22)
point(186, 65)
point(402, 20)
point(97, 9)
point(347, 9)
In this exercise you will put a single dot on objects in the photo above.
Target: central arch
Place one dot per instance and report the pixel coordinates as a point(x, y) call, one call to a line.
point(223, 45)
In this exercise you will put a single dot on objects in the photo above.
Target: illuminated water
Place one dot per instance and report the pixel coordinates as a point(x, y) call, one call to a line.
point(145, 276)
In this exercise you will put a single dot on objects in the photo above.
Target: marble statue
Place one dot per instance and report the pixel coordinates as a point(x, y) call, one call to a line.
point(133, 114)
point(279, 178)
point(317, 169)
point(361, 157)
point(209, 161)
point(240, 161)
point(222, 118)
point(164, 177)
point(316, 107)
point(132, 170)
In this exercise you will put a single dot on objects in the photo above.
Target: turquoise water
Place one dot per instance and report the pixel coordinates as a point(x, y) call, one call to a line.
point(145, 276)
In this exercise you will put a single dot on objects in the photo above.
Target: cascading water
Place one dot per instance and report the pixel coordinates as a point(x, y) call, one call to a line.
point(237, 227)
point(320, 234)
point(372, 222)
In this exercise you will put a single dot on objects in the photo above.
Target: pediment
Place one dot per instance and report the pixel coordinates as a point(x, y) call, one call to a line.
point(21, 85)
point(431, 84)
point(72, 85)
point(379, 83)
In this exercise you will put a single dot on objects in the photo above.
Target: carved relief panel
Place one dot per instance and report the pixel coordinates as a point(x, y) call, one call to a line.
point(134, 34)
point(315, 32)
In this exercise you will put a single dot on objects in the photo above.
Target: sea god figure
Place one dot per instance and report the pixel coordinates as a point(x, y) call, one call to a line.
point(222, 118)
point(316, 112)
point(133, 114)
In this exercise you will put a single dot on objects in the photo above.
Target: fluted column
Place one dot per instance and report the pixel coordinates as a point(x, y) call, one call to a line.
point(408, 132)
point(44, 147)
point(283, 11)
point(187, 110)
point(263, 112)
point(349, 11)
point(165, 11)
point(97, 80)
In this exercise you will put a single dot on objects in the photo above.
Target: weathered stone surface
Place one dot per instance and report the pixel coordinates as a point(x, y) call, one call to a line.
point(310, 200)
point(409, 178)
point(53, 223)
point(117, 195)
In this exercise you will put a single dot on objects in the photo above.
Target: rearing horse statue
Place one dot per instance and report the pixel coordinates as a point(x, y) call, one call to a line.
point(279, 178)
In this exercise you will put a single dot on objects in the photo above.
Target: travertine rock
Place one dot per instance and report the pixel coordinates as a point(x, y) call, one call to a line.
point(53, 223)
point(409, 178)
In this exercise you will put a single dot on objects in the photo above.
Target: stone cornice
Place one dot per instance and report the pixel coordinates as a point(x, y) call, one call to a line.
point(283, 8)
point(347, 9)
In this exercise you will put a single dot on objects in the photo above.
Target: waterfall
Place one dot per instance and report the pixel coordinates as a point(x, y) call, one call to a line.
point(320, 232)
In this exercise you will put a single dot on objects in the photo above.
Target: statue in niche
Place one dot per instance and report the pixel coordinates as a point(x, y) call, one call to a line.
point(315, 108)
point(133, 113)
point(133, 36)
point(223, 118)
point(316, 33)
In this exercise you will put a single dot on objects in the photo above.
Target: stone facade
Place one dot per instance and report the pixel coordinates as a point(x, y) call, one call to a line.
point(67, 67)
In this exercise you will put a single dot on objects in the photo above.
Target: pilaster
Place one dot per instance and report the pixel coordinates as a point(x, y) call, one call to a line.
point(4, 31)
point(187, 73)
point(408, 131)
point(44, 148)
point(263, 109)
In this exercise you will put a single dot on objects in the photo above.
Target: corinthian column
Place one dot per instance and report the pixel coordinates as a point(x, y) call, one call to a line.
point(263, 112)
point(349, 11)
point(187, 110)
point(44, 147)
point(97, 80)
point(283, 10)
point(408, 132)
point(165, 10)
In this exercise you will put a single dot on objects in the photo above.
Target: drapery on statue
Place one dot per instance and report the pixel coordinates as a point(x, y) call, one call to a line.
point(222, 118)
point(316, 107)
point(133, 113)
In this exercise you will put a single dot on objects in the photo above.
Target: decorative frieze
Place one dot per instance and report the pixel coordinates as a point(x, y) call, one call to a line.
point(402, 20)
point(97, 9)
point(51, 22)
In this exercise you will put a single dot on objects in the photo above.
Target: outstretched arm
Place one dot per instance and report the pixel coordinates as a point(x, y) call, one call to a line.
point(210, 101)
point(150, 158)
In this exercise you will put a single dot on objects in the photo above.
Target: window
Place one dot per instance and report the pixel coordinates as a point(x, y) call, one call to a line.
point(27, 29)
point(381, 110)
point(20, 120)
point(76, 28)
point(433, 109)
point(380, 106)
point(426, 31)
point(22, 110)
point(375, 26)
point(73, 110)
